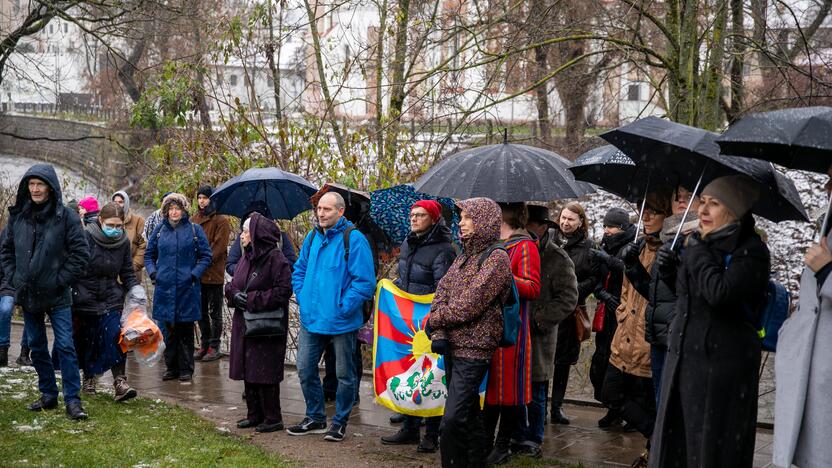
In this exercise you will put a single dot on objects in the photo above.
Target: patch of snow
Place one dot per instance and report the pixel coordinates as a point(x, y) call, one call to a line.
point(223, 430)
point(232, 408)
point(17, 396)
point(27, 428)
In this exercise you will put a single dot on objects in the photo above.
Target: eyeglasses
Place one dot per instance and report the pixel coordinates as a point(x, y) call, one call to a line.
point(418, 215)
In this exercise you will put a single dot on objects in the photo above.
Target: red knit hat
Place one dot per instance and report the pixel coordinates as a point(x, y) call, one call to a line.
point(89, 203)
point(433, 208)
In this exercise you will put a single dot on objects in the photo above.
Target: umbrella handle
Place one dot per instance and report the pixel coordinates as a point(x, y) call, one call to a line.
point(687, 208)
point(825, 224)
point(641, 210)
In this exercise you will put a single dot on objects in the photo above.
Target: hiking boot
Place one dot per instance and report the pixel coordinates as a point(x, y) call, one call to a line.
point(558, 416)
point(43, 403)
point(88, 386)
point(403, 437)
point(212, 355)
point(612, 418)
point(307, 426)
point(269, 427)
point(170, 375)
point(428, 444)
point(123, 391)
point(24, 359)
point(200, 353)
point(397, 418)
point(336, 433)
point(75, 411)
point(499, 454)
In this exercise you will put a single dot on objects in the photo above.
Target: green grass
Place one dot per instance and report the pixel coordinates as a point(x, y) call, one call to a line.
point(525, 462)
point(140, 432)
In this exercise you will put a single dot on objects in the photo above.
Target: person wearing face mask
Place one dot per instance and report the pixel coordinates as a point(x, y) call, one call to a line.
point(708, 406)
point(628, 388)
point(573, 236)
point(98, 299)
point(177, 255)
point(618, 232)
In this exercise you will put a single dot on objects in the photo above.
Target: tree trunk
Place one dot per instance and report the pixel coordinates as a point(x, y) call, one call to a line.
point(397, 96)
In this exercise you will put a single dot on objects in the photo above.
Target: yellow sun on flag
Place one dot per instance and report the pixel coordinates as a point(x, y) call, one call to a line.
point(420, 344)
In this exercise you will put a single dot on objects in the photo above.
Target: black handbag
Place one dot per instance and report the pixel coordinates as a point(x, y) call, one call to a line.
point(266, 323)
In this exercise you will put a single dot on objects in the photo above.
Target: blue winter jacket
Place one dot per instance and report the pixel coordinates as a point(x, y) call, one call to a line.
point(177, 265)
point(331, 292)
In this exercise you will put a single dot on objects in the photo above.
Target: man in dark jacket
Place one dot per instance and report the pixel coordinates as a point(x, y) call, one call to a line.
point(218, 231)
point(44, 252)
point(558, 298)
point(618, 232)
point(426, 254)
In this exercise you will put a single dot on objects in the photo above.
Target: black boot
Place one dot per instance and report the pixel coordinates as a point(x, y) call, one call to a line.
point(558, 416)
point(612, 418)
point(75, 411)
point(24, 359)
point(402, 437)
point(43, 403)
point(499, 454)
point(4, 356)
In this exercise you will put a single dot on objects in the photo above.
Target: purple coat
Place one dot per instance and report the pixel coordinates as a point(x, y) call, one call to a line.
point(259, 360)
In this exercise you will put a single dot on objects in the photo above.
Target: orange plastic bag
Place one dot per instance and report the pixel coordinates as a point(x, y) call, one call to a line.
point(138, 332)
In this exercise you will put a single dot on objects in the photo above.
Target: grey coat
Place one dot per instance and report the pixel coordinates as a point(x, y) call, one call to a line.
point(558, 298)
point(803, 407)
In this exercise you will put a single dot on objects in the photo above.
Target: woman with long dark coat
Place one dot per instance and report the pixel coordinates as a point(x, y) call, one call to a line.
point(708, 408)
point(262, 281)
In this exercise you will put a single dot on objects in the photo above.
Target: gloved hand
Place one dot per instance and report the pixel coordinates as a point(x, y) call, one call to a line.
point(667, 261)
point(601, 255)
point(629, 254)
point(610, 300)
point(442, 346)
point(241, 300)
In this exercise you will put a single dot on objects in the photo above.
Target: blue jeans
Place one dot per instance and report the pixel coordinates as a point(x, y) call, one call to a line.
point(65, 348)
point(532, 434)
point(310, 349)
point(6, 309)
point(658, 354)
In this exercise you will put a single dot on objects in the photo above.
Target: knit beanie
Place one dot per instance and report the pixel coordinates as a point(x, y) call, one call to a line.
point(205, 190)
point(89, 203)
point(737, 192)
point(617, 217)
point(433, 208)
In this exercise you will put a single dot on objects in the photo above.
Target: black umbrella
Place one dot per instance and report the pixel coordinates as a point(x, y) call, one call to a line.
point(285, 194)
point(798, 138)
point(505, 173)
point(610, 169)
point(692, 155)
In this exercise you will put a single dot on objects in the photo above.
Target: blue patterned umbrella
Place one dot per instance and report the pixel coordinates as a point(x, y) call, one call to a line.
point(390, 210)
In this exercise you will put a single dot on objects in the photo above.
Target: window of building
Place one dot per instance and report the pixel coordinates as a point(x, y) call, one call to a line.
point(51, 29)
point(66, 27)
point(634, 92)
point(232, 80)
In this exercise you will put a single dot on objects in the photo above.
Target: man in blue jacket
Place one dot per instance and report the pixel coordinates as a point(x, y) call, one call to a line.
point(43, 253)
point(333, 277)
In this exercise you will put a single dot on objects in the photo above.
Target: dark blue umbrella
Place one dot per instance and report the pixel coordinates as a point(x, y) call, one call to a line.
point(390, 210)
point(608, 168)
point(285, 194)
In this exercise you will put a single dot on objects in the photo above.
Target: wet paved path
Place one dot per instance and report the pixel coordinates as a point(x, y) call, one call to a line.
point(215, 397)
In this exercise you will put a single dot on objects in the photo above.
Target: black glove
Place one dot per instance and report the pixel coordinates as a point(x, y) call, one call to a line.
point(629, 254)
point(667, 261)
point(241, 300)
point(602, 295)
point(601, 255)
point(440, 347)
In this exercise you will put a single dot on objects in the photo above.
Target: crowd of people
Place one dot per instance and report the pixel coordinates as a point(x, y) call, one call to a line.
point(676, 356)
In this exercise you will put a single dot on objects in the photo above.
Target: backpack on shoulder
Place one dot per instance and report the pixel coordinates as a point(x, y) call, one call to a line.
point(511, 307)
point(366, 306)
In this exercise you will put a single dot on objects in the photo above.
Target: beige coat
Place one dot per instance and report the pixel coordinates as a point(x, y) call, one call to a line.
point(134, 227)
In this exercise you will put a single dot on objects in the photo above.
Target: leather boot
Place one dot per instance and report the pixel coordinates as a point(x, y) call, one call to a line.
point(558, 416)
point(24, 359)
point(499, 454)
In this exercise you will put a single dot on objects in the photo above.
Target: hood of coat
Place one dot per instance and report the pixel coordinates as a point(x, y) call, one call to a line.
point(44, 172)
point(613, 243)
point(180, 200)
point(126, 198)
point(487, 216)
point(438, 234)
point(264, 235)
point(671, 225)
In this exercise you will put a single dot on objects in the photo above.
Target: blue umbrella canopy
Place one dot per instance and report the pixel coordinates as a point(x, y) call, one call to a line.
point(390, 210)
point(285, 194)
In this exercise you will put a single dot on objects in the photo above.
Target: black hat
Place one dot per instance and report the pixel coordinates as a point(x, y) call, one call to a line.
point(539, 214)
point(205, 190)
point(617, 217)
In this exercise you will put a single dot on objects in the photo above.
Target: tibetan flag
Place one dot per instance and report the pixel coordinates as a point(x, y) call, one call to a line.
point(407, 377)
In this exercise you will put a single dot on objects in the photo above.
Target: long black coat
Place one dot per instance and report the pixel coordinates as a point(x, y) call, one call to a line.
point(108, 276)
point(424, 260)
point(259, 360)
point(588, 272)
point(708, 411)
point(45, 249)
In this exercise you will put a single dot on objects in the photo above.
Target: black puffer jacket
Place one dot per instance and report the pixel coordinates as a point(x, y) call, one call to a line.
point(108, 276)
point(45, 250)
point(587, 270)
point(611, 273)
point(424, 260)
point(6, 288)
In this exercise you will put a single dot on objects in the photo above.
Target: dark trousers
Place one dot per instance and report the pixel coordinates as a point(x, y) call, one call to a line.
point(179, 350)
point(567, 351)
point(263, 402)
point(658, 354)
point(330, 381)
point(633, 397)
point(463, 440)
point(210, 325)
point(411, 424)
point(507, 417)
